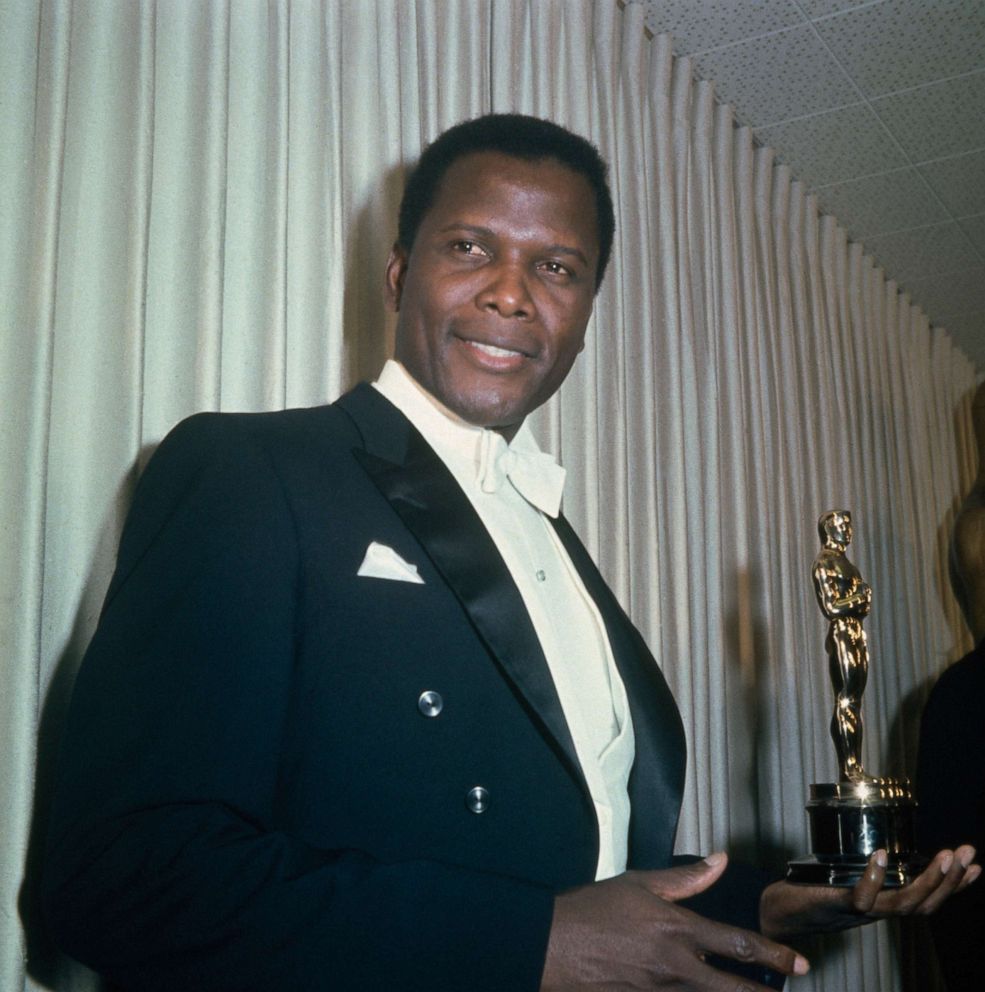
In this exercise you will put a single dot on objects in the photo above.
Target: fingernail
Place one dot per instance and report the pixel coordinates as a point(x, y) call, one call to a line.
point(714, 860)
point(881, 859)
point(946, 863)
point(801, 965)
point(967, 857)
point(972, 874)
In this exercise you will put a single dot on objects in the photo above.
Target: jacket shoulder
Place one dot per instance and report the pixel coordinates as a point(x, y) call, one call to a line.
point(204, 430)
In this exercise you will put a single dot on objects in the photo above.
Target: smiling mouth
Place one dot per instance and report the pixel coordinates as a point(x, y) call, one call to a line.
point(495, 351)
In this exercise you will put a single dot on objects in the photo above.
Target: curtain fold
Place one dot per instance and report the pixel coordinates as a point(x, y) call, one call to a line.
point(197, 204)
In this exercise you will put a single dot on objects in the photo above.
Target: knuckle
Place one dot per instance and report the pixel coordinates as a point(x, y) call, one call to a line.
point(742, 947)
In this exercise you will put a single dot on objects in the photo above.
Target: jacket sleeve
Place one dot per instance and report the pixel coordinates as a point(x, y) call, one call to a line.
point(166, 866)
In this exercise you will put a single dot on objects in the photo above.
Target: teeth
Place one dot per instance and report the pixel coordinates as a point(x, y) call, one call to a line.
point(491, 349)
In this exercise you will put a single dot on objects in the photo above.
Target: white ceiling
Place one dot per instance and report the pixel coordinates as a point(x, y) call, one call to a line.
point(879, 109)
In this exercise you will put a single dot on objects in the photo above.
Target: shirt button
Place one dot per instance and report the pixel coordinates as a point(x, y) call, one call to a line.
point(430, 703)
point(477, 799)
point(541, 575)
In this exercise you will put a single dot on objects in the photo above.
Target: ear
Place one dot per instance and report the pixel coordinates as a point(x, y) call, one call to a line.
point(396, 270)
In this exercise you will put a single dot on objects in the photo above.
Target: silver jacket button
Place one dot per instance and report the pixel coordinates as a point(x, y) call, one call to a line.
point(477, 799)
point(430, 703)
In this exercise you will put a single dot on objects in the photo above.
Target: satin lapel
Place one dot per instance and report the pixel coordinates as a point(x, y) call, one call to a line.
point(434, 509)
point(657, 780)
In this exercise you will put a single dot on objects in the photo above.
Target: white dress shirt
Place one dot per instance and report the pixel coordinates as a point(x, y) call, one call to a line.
point(567, 621)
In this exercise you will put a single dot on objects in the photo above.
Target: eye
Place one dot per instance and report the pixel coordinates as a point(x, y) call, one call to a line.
point(558, 269)
point(468, 248)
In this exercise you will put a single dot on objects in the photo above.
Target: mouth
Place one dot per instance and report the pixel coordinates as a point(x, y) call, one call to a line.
point(495, 357)
point(494, 350)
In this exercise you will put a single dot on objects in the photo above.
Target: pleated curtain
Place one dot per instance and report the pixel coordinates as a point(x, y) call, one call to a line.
point(196, 203)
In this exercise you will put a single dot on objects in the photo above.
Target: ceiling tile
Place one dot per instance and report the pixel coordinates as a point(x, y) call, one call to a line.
point(894, 201)
point(968, 333)
point(949, 294)
point(974, 227)
point(834, 146)
point(848, 92)
point(698, 25)
point(959, 182)
point(784, 75)
point(898, 44)
point(821, 8)
point(939, 120)
point(924, 251)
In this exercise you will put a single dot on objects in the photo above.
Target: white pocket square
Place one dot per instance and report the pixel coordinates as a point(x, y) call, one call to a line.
point(382, 562)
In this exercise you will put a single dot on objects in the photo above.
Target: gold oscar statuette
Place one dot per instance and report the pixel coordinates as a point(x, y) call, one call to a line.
point(856, 816)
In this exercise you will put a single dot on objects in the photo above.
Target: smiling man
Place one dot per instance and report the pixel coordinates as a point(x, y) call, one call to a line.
point(360, 712)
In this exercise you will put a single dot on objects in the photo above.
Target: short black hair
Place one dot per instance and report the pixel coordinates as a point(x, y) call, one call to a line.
point(517, 135)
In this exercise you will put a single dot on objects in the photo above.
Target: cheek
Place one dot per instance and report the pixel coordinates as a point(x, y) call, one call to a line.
point(572, 344)
point(560, 372)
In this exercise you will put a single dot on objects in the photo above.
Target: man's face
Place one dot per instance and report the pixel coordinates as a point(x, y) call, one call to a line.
point(495, 294)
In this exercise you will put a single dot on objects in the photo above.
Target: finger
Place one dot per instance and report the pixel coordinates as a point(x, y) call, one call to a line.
point(909, 898)
point(966, 855)
point(954, 870)
point(711, 979)
point(684, 881)
point(970, 876)
point(748, 947)
point(944, 872)
point(866, 890)
point(952, 874)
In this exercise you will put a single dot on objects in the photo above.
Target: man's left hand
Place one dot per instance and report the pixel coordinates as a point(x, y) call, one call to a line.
point(787, 910)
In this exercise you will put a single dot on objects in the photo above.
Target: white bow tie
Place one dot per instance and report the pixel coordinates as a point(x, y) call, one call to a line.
point(535, 475)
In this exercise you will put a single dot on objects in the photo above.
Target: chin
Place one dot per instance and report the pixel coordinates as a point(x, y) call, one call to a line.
point(488, 418)
point(487, 411)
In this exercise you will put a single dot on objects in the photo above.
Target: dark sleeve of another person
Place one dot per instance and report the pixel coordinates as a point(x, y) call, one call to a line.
point(951, 811)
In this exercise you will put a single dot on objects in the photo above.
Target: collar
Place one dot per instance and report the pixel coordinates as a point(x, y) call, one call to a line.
point(476, 455)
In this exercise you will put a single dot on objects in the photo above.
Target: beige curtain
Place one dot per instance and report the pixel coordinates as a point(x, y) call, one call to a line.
point(197, 198)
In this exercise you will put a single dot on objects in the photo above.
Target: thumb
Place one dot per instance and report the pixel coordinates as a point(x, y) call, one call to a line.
point(684, 881)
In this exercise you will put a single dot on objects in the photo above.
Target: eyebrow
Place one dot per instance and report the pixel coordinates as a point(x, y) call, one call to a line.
point(485, 232)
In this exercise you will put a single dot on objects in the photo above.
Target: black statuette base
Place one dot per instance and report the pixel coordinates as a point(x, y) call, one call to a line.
point(850, 821)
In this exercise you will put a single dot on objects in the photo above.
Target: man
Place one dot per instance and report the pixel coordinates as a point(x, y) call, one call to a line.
point(360, 712)
point(845, 599)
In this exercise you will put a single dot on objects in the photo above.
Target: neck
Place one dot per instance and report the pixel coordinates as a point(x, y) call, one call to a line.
point(509, 431)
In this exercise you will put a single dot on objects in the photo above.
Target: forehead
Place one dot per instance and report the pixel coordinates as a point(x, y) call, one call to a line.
point(542, 191)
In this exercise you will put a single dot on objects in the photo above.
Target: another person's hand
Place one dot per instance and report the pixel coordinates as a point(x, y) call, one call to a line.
point(627, 933)
point(787, 910)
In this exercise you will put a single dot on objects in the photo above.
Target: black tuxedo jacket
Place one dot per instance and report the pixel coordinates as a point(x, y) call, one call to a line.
point(250, 796)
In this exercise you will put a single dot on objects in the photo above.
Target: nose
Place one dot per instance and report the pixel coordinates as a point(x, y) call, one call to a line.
point(506, 292)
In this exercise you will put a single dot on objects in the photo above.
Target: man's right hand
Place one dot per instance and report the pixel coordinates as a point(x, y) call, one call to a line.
point(627, 933)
